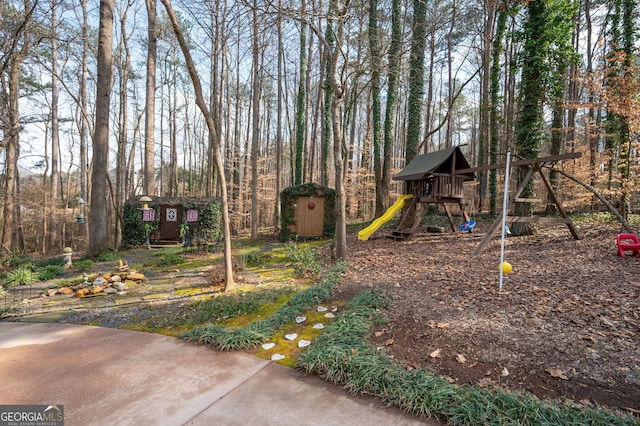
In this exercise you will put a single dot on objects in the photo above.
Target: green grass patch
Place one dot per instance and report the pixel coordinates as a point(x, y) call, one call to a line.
point(188, 291)
point(169, 259)
point(259, 331)
point(264, 311)
point(211, 310)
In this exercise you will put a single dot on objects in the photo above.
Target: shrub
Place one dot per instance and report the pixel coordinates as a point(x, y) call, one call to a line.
point(15, 259)
point(56, 261)
point(306, 263)
point(49, 272)
point(107, 256)
point(83, 265)
point(167, 260)
point(21, 276)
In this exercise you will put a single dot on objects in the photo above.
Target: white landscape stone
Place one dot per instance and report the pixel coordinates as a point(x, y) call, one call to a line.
point(322, 309)
point(318, 326)
point(277, 357)
point(329, 315)
point(267, 346)
point(303, 343)
point(300, 319)
point(291, 336)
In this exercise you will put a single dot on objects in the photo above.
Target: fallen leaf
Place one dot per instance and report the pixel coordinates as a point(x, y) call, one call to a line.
point(485, 381)
point(554, 372)
point(379, 333)
point(586, 402)
point(461, 358)
point(353, 351)
point(505, 372)
point(449, 379)
point(435, 354)
point(443, 325)
point(389, 342)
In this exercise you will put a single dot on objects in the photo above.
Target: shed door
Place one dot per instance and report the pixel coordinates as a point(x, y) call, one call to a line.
point(310, 216)
point(170, 220)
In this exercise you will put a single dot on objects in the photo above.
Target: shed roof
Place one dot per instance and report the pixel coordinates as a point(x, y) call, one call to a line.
point(422, 166)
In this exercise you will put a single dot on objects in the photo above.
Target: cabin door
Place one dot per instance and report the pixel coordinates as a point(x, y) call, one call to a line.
point(170, 220)
point(310, 216)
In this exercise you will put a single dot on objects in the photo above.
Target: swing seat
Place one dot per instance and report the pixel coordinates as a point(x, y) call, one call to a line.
point(468, 226)
point(628, 242)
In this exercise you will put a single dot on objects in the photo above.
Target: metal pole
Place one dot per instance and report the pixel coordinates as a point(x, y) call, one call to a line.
point(504, 214)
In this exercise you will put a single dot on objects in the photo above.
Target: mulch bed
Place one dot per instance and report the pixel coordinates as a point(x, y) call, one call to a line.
point(566, 323)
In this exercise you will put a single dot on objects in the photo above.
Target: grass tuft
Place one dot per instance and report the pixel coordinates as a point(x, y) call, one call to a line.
point(21, 276)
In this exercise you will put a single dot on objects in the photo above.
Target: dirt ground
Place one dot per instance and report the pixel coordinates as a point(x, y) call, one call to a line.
point(566, 323)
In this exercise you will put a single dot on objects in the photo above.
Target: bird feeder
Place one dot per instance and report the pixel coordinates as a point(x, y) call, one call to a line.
point(80, 218)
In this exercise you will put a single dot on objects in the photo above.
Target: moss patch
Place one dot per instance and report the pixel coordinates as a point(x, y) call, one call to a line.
point(304, 330)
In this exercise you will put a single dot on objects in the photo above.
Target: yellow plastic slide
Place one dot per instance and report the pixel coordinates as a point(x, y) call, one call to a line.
point(365, 233)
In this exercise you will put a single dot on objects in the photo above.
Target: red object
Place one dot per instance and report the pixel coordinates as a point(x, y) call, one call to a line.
point(311, 205)
point(628, 242)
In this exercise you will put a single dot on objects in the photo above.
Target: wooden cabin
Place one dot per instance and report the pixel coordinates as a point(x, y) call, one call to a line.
point(169, 219)
point(433, 178)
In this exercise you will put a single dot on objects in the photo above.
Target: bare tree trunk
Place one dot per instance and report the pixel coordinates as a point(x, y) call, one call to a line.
point(12, 128)
point(11, 159)
point(53, 244)
point(255, 125)
point(173, 135)
point(276, 210)
point(340, 237)
point(84, 133)
point(213, 140)
point(150, 108)
point(485, 103)
point(124, 61)
point(426, 141)
point(99, 190)
point(450, 77)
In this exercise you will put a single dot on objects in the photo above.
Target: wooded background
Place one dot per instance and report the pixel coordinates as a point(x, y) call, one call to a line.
point(106, 101)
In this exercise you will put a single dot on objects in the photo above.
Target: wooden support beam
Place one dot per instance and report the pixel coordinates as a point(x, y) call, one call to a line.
point(531, 219)
point(498, 220)
point(534, 201)
point(537, 219)
point(446, 210)
point(541, 160)
point(561, 210)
